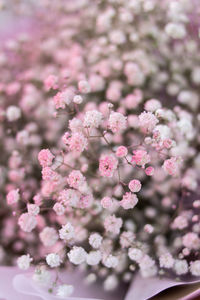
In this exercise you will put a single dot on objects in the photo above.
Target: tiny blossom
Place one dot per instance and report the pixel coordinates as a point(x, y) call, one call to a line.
point(107, 202)
point(117, 122)
point(59, 209)
point(33, 209)
point(134, 185)
point(13, 197)
point(77, 99)
point(13, 113)
point(95, 240)
point(51, 82)
point(181, 266)
point(64, 290)
point(53, 260)
point(67, 232)
point(147, 121)
point(166, 261)
point(49, 174)
point(149, 171)
point(24, 261)
point(111, 261)
point(152, 105)
point(191, 241)
point(171, 166)
point(126, 239)
point(93, 258)
point(195, 268)
point(27, 222)
point(76, 179)
point(140, 157)
point(113, 224)
point(77, 142)
point(59, 100)
point(180, 222)
point(107, 165)
point(69, 197)
point(129, 201)
point(147, 267)
point(77, 255)
point(175, 30)
point(135, 254)
point(84, 86)
point(93, 119)
point(45, 157)
point(48, 236)
point(121, 151)
point(148, 228)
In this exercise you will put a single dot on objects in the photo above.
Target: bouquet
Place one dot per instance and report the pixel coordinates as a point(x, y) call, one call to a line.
point(99, 140)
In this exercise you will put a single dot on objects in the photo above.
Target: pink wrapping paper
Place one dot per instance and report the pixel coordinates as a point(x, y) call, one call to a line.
point(18, 285)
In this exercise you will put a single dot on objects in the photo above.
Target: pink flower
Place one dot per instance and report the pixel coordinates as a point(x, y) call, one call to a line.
point(106, 202)
point(33, 209)
point(121, 151)
point(147, 121)
point(48, 174)
point(13, 197)
point(84, 86)
point(171, 166)
point(113, 224)
point(191, 241)
point(140, 157)
point(107, 165)
point(78, 142)
point(76, 179)
point(27, 222)
point(63, 98)
point(59, 100)
point(51, 82)
point(149, 171)
point(134, 185)
point(45, 157)
point(117, 122)
point(86, 201)
point(59, 209)
point(129, 201)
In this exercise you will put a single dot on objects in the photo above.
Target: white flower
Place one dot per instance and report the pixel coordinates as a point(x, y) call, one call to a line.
point(111, 261)
point(117, 122)
point(95, 240)
point(48, 236)
point(65, 290)
point(33, 209)
point(77, 255)
point(147, 267)
point(92, 118)
point(77, 99)
point(93, 258)
point(181, 266)
point(66, 232)
point(175, 30)
point(195, 268)
point(53, 260)
point(13, 113)
point(166, 261)
point(24, 261)
point(135, 254)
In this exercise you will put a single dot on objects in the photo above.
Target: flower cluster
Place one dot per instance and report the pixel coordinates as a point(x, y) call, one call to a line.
point(102, 149)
